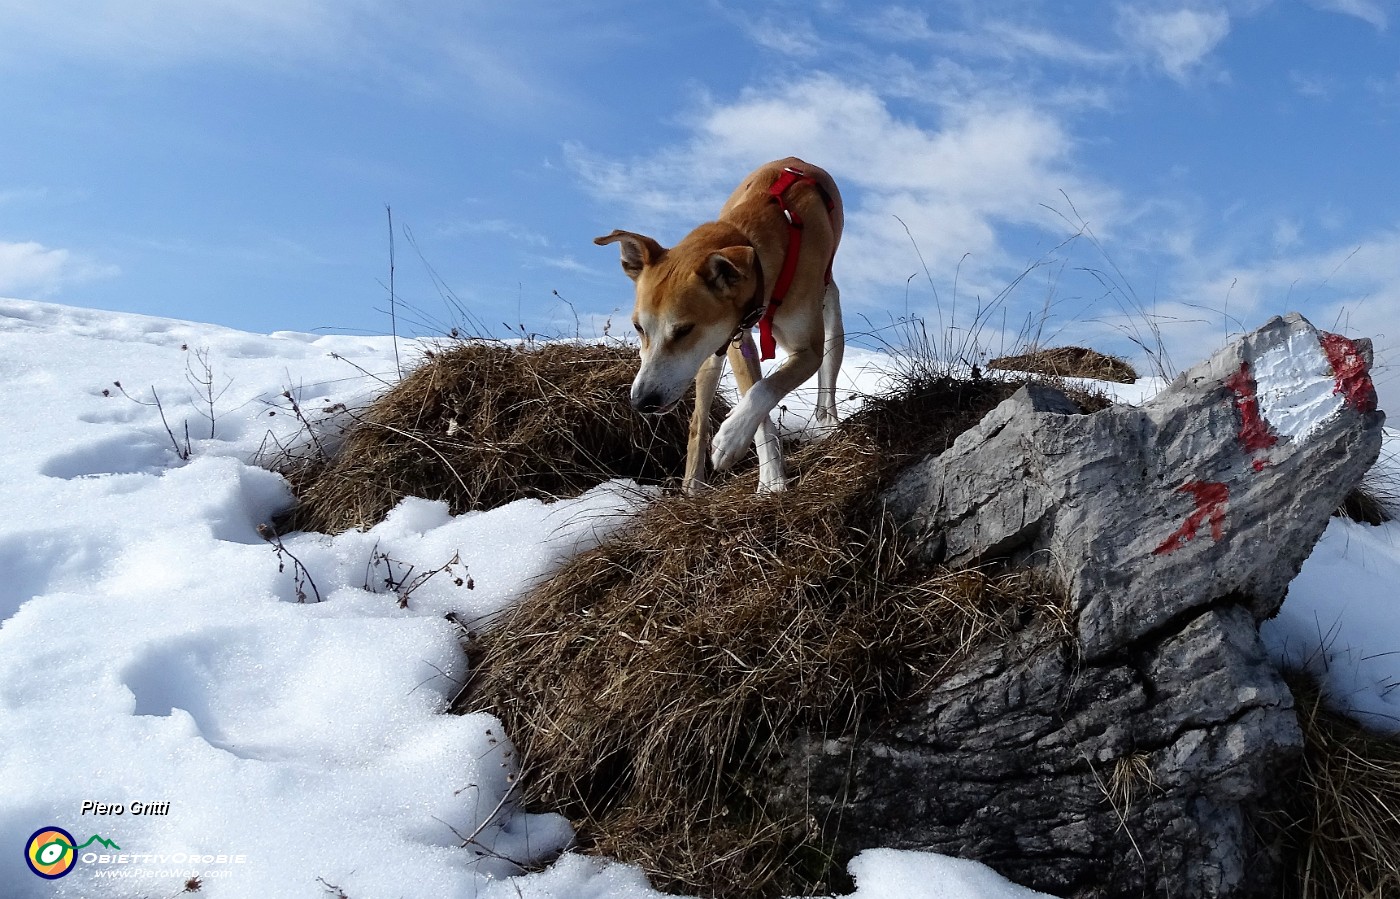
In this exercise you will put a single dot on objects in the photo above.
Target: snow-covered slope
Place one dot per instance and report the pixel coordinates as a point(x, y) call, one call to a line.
point(154, 656)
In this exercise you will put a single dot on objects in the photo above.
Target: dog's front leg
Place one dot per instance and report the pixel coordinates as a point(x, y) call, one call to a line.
point(739, 428)
point(706, 382)
point(743, 356)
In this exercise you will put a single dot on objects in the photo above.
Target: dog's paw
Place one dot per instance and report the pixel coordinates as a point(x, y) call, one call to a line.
point(729, 444)
point(776, 484)
point(821, 429)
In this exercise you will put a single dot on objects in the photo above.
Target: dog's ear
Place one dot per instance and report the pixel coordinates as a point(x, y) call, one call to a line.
point(724, 270)
point(638, 250)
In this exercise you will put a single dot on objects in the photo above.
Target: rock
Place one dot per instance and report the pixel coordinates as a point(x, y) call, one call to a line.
point(1220, 485)
point(1145, 747)
point(1122, 779)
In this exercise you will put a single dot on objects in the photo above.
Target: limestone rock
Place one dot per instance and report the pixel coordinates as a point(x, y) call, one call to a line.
point(1144, 748)
point(1129, 778)
point(1220, 485)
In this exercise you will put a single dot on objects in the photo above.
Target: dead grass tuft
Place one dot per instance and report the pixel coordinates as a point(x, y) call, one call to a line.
point(1376, 499)
point(650, 681)
point(1069, 362)
point(1367, 507)
point(483, 423)
point(1346, 838)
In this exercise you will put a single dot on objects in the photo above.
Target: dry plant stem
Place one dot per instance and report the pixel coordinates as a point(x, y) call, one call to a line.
point(405, 583)
point(185, 451)
point(393, 299)
point(203, 383)
point(361, 369)
point(300, 574)
point(304, 422)
point(332, 890)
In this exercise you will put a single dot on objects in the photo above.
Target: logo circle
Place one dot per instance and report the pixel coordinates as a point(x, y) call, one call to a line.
point(50, 853)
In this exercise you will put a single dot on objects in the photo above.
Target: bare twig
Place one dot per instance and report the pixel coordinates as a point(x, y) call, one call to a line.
point(404, 582)
point(305, 422)
point(301, 576)
point(203, 383)
point(184, 452)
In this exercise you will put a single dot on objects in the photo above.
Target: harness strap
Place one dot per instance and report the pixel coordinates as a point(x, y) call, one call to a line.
point(786, 179)
point(758, 312)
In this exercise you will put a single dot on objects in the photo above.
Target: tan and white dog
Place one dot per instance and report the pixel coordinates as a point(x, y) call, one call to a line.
point(775, 237)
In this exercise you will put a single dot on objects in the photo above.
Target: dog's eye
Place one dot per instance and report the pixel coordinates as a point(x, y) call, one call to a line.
point(681, 331)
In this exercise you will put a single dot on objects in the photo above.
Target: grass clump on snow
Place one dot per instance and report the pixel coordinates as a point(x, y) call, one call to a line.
point(650, 681)
point(1069, 362)
point(1376, 499)
point(482, 423)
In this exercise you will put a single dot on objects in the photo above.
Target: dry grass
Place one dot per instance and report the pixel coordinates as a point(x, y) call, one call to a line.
point(480, 424)
point(1376, 499)
point(1347, 834)
point(648, 683)
point(1069, 362)
point(1366, 506)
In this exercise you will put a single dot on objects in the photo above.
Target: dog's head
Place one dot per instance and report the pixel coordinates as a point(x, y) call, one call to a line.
point(690, 300)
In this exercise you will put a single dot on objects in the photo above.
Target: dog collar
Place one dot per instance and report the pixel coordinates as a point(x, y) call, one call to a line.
point(755, 310)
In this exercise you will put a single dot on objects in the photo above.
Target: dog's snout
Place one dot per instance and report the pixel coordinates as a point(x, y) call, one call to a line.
point(648, 403)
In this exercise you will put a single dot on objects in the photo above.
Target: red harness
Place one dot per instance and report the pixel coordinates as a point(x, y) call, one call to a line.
point(778, 191)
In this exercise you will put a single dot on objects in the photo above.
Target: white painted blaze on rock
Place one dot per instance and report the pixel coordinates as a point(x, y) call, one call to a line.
point(1299, 386)
point(1293, 388)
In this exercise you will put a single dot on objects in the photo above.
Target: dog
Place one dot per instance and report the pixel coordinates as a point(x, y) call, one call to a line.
point(765, 261)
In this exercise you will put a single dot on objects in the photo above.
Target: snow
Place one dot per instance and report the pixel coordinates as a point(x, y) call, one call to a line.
point(1342, 621)
point(153, 648)
point(879, 874)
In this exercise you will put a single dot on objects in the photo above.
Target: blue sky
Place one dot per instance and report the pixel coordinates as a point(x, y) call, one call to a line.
point(1196, 167)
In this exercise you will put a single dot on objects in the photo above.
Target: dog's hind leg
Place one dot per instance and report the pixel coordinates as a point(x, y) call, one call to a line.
point(747, 371)
point(832, 354)
point(697, 451)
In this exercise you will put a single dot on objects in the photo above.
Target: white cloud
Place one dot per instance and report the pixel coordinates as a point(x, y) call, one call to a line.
point(985, 37)
point(1288, 234)
point(424, 47)
point(1050, 46)
point(1366, 10)
point(31, 269)
point(23, 195)
point(157, 31)
point(983, 166)
point(785, 34)
point(898, 24)
point(1313, 87)
point(1178, 41)
point(573, 266)
point(491, 228)
point(1352, 288)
